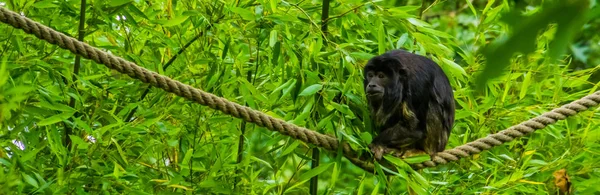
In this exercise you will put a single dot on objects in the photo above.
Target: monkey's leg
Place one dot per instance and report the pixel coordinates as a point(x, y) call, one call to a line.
point(397, 136)
point(437, 130)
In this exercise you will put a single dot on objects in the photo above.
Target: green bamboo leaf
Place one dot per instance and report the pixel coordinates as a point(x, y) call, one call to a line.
point(381, 38)
point(30, 180)
point(45, 4)
point(316, 171)
point(80, 143)
point(471, 7)
point(401, 41)
point(272, 38)
point(137, 11)
point(261, 161)
point(362, 55)
point(116, 170)
point(120, 150)
point(488, 6)
point(399, 163)
point(4, 74)
point(273, 5)
point(417, 159)
point(311, 90)
point(55, 119)
point(289, 88)
point(244, 13)
point(570, 17)
point(419, 23)
point(116, 3)
point(290, 148)
point(454, 68)
point(507, 88)
point(187, 157)
point(343, 109)
point(176, 21)
point(525, 85)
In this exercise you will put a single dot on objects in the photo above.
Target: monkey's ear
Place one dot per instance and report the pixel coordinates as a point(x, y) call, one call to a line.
point(402, 72)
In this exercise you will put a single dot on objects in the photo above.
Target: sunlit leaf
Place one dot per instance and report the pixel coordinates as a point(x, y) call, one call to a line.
point(311, 90)
point(244, 13)
point(175, 21)
point(45, 4)
point(55, 118)
point(115, 3)
point(313, 172)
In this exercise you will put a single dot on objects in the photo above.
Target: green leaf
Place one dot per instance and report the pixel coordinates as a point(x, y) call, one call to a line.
point(176, 21)
point(454, 68)
point(419, 23)
point(290, 148)
point(471, 7)
point(417, 159)
point(525, 85)
point(401, 41)
point(55, 119)
point(244, 13)
point(569, 15)
point(273, 5)
point(120, 150)
point(362, 55)
point(314, 172)
point(273, 38)
point(116, 3)
point(343, 109)
point(80, 143)
point(381, 38)
point(398, 162)
point(4, 74)
point(45, 4)
point(311, 90)
point(30, 180)
point(187, 157)
point(366, 137)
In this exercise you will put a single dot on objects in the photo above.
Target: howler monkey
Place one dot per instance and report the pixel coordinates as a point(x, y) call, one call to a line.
point(411, 103)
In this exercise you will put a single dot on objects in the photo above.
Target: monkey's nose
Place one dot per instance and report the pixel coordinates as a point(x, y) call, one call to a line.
point(372, 86)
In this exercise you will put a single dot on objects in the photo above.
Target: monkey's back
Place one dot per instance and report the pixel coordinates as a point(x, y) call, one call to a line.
point(429, 90)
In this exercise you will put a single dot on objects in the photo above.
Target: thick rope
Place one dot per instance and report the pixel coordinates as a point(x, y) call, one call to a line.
point(250, 115)
point(513, 132)
point(166, 83)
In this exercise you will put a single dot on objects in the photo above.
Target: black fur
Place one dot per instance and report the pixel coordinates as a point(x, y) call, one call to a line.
point(416, 110)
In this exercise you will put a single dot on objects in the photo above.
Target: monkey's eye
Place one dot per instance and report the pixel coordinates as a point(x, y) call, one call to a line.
point(381, 75)
point(370, 74)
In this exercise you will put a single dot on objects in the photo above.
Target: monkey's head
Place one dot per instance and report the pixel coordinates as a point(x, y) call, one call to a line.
point(383, 76)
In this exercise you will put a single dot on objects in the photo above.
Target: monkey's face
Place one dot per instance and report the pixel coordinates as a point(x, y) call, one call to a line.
point(376, 84)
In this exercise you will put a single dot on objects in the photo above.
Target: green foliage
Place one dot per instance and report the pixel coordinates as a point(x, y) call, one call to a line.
point(273, 56)
point(569, 16)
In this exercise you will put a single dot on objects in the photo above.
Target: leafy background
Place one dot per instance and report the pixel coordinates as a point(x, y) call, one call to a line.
point(97, 131)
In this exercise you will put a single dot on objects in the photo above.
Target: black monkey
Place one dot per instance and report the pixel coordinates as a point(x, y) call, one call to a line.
point(411, 103)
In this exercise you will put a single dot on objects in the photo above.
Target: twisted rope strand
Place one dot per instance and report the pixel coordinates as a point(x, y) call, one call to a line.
point(513, 132)
point(250, 115)
point(166, 83)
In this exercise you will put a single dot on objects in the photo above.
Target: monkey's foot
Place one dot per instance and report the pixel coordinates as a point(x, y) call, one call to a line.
point(412, 152)
point(377, 150)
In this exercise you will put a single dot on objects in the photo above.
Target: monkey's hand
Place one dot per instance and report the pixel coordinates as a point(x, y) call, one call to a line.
point(377, 150)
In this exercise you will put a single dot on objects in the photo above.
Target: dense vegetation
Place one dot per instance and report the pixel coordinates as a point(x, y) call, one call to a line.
point(89, 129)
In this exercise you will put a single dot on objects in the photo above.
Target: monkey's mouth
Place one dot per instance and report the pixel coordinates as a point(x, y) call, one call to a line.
point(374, 93)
